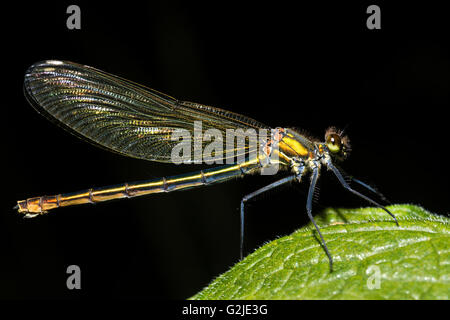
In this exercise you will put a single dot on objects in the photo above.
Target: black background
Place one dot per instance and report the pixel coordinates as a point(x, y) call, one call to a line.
point(305, 65)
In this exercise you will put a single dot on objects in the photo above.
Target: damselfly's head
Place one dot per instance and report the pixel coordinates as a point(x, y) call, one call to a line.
point(337, 143)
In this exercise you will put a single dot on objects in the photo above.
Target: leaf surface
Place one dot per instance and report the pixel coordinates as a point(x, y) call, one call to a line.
point(373, 259)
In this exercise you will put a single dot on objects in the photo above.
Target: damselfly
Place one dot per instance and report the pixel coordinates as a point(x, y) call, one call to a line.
point(124, 117)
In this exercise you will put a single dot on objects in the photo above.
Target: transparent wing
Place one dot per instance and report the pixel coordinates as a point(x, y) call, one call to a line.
point(122, 116)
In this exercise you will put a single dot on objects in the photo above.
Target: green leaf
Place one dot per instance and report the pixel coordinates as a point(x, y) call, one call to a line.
point(373, 259)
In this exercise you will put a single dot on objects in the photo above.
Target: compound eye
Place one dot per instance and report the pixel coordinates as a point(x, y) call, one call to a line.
point(334, 143)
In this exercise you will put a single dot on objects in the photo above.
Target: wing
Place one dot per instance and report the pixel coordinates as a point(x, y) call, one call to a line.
point(120, 115)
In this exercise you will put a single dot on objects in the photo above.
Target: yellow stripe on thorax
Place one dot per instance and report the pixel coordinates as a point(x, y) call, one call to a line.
point(292, 147)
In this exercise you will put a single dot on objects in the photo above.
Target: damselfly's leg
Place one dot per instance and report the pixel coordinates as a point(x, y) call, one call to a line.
point(254, 194)
point(370, 188)
point(346, 186)
point(312, 186)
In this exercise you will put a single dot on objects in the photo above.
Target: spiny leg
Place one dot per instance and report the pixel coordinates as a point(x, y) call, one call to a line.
point(346, 186)
point(254, 194)
point(370, 188)
point(348, 178)
point(312, 186)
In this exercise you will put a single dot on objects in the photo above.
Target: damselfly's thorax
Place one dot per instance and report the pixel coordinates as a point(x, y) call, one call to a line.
point(296, 149)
